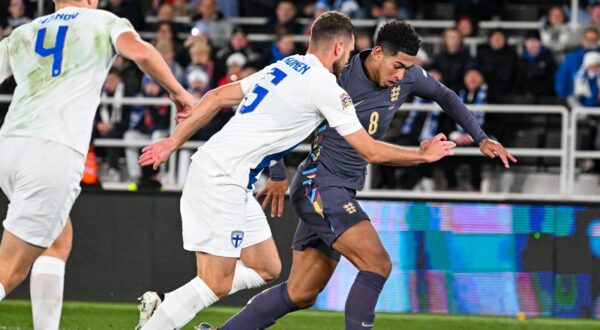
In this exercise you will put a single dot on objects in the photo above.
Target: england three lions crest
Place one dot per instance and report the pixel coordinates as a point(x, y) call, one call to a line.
point(395, 94)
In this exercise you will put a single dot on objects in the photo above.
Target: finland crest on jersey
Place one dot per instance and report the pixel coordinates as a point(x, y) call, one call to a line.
point(283, 105)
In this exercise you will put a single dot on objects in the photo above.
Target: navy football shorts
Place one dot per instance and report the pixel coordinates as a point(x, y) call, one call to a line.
point(325, 213)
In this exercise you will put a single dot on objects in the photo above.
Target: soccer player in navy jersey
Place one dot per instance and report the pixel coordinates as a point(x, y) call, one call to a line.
point(332, 222)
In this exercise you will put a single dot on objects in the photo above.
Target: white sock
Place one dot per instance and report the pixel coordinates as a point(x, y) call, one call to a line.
point(2, 292)
point(181, 305)
point(46, 287)
point(245, 278)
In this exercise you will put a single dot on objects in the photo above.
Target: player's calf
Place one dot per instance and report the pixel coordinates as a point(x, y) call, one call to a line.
point(16, 258)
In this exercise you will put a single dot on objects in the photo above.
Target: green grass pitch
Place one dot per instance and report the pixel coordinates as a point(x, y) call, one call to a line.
point(16, 315)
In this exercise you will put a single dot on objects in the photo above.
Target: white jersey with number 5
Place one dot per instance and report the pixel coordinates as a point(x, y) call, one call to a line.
point(59, 62)
point(284, 103)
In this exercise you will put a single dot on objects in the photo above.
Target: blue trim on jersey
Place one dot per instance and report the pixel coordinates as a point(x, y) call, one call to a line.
point(322, 128)
point(312, 170)
point(265, 163)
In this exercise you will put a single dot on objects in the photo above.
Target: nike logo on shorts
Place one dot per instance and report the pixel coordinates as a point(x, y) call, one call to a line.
point(366, 325)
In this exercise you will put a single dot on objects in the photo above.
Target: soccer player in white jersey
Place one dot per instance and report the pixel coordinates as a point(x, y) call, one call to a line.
point(280, 106)
point(59, 62)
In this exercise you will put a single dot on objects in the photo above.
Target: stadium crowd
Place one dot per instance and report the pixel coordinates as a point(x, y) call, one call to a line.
point(553, 65)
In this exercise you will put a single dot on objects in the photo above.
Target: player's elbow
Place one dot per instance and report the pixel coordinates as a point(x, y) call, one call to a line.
point(371, 155)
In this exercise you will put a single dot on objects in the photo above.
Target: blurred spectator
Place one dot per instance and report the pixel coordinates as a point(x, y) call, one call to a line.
point(129, 73)
point(229, 8)
point(593, 10)
point(563, 85)
point(198, 82)
point(498, 63)
point(351, 8)
point(16, 15)
point(235, 62)
point(319, 8)
point(165, 32)
point(166, 13)
point(282, 47)
point(587, 81)
point(475, 92)
point(284, 19)
point(128, 9)
point(238, 43)
point(364, 40)
point(146, 122)
point(453, 59)
point(536, 68)
point(181, 8)
point(200, 60)
point(388, 12)
point(167, 50)
point(465, 26)
point(111, 122)
point(208, 14)
point(556, 33)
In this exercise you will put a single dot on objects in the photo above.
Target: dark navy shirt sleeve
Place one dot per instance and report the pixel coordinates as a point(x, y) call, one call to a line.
point(277, 172)
point(426, 86)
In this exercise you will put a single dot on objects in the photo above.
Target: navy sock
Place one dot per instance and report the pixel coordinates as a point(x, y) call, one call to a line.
point(262, 310)
point(360, 305)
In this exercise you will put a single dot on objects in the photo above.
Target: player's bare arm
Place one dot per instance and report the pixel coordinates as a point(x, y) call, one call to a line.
point(378, 152)
point(208, 106)
point(149, 60)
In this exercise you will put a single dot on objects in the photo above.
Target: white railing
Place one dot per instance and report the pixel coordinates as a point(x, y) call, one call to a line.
point(370, 23)
point(578, 113)
point(566, 153)
point(561, 153)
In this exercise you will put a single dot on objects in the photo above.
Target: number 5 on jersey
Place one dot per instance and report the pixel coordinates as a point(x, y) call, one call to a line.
point(261, 92)
point(56, 51)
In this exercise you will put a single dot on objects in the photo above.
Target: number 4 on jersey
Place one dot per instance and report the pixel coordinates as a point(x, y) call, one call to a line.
point(261, 92)
point(56, 51)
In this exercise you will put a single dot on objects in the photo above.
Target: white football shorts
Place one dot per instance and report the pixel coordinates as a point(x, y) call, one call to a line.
point(219, 216)
point(41, 180)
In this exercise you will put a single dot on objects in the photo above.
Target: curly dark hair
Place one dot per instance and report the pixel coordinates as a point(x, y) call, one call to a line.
point(396, 36)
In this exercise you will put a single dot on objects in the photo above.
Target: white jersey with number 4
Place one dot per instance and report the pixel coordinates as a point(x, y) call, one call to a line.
point(59, 62)
point(284, 103)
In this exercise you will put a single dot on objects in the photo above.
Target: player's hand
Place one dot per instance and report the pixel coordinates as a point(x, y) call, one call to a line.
point(274, 191)
point(436, 148)
point(184, 103)
point(156, 153)
point(493, 148)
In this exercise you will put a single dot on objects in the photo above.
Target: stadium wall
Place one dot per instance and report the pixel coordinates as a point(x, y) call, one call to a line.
point(449, 257)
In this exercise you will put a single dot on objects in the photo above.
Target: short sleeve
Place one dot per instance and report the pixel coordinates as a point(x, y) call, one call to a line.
point(335, 104)
point(5, 70)
point(118, 26)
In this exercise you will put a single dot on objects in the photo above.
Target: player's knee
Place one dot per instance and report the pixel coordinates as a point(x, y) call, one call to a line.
point(273, 271)
point(303, 298)
point(380, 264)
point(220, 289)
point(60, 249)
point(16, 275)
point(386, 266)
